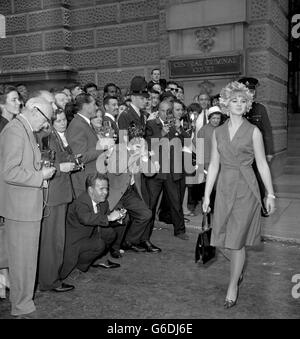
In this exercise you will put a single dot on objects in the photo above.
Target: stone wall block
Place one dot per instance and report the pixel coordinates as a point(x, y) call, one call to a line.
point(58, 40)
point(95, 59)
point(270, 90)
point(278, 17)
point(164, 69)
point(121, 78)
point(29, 43)
point(267, 63)
point(96, 16)
point(86, 77)
point(152, 31)
point(142, 55)
point(162, 22)
point(27, 6)
point(6, 46)
point(121, 34)
point(83, 39)
point(81, 3)
point(277, 115)
point(48, 19)
point(280, 140)
point(258, 9)
point(56, 3)
point(13, 64)
point(284, 4)
point(5, 7)
point(50, 61)
point(16, 23)
point(164, 46)
point(137, 10)
point(264, 36)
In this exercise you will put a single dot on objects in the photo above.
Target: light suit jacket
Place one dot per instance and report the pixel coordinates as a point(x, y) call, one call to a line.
point(21, 195)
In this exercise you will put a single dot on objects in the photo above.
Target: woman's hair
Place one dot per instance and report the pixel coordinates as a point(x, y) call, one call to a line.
point(230, 91)
point(6, 91)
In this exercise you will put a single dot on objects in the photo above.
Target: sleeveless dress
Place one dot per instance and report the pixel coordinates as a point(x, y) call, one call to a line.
point(237, 214)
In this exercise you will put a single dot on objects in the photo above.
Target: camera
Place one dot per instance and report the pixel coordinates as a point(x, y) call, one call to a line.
point(170, 120)
point(79, 165)
point(47, 158)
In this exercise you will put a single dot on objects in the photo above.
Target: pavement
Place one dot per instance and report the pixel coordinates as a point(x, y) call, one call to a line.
point(170, 285)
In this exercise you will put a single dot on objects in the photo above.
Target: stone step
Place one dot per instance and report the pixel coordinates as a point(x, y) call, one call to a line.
point(291, 170)
point(283, 188)
point(288, 195)
point(293, 161)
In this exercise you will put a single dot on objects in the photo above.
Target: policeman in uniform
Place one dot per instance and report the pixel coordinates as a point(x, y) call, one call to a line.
point(258, 116)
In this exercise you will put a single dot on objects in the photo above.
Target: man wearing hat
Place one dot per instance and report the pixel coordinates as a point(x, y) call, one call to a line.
point(258, 116)
point(134, 114)
point(127, 189)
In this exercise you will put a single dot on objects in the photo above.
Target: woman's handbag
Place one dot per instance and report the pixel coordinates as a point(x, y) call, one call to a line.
point(204, 252)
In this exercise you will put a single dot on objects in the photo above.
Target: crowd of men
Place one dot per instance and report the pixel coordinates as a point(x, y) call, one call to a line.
point(84, 177)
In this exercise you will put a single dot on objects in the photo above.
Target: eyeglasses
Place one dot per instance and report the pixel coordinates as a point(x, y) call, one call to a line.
point(174, 89)
point(48, 120)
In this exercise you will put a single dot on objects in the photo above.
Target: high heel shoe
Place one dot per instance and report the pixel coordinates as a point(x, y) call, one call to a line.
point(231, 303)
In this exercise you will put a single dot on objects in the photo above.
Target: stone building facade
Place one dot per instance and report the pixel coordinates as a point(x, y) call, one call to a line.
point(56, 41)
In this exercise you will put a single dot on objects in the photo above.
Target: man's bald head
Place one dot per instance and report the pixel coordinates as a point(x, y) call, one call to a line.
point(39, 113)
point(45, 95)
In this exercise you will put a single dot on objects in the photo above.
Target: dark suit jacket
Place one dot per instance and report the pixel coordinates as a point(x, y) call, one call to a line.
point(82, 221)
point(162, 82)
point(154, 133)
point(83, 140)
point(258, 116)
point(81, 224)
point(130, 116)
point(60, 186)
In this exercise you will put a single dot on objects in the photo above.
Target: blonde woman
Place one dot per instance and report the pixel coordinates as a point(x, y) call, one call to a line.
point(237, 213)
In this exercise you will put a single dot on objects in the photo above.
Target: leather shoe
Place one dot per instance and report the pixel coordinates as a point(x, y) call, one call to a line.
point(106, 265)
point(182, 236)
point(63, 288)
point(130, 247)
point(149, 247)
point(115, 254)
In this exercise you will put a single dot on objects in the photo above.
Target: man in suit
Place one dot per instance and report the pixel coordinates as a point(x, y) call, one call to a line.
point(88, 227)
point(134, 114)
point(156, 79)
point(159, 133)
point(258, 116)
point(111, 106)
point(21, 199)
point(128, 189)
point(83, 140)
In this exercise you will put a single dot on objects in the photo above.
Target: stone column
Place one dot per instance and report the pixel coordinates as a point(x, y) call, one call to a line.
point(267, 60)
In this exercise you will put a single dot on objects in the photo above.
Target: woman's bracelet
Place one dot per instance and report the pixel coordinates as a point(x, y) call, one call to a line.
point(271, 196)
